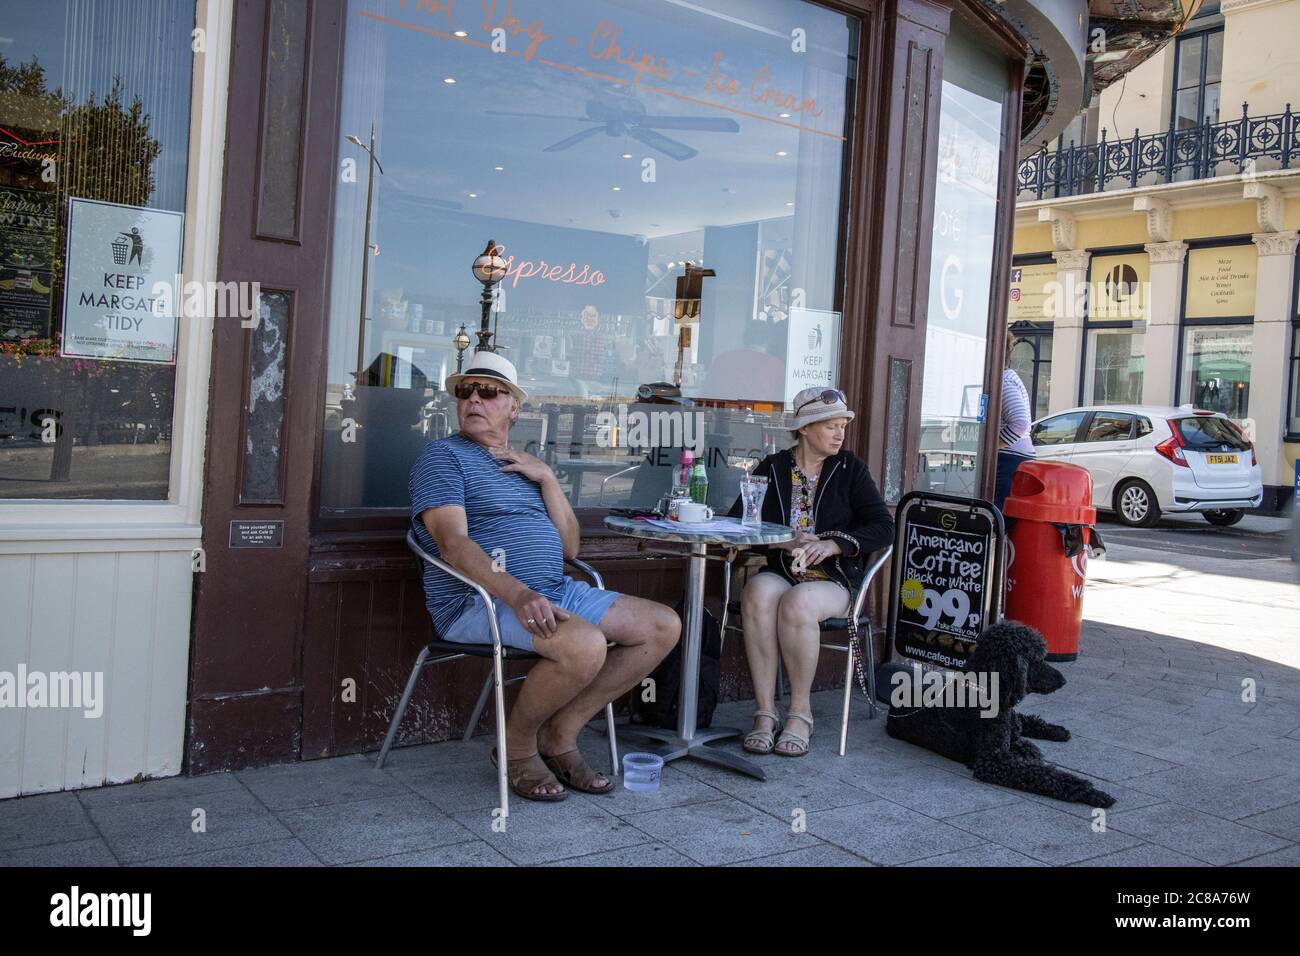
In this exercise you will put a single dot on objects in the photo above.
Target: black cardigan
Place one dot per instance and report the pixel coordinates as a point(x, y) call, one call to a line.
point(846, 501)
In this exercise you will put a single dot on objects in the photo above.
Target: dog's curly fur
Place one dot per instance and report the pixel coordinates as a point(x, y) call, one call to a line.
point(996, 748)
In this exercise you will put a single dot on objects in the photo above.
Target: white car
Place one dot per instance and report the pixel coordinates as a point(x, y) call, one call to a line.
point(1146, 460)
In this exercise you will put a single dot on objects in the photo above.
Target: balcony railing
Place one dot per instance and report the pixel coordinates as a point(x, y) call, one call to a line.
point(1193, 152)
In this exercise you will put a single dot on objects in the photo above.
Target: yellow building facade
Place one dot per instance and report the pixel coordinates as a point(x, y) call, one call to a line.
point(1158, 266)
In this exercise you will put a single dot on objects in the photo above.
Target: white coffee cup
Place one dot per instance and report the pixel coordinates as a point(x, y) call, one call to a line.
point(692, 512)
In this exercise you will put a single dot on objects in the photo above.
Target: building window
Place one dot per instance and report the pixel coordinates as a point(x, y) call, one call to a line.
point(1198, 69)
point(1216, 333)
point(1115, 361)
point(602, 174)
point(961, 271)
point(94, 133)
point(1216, 368)
point(1031, 359)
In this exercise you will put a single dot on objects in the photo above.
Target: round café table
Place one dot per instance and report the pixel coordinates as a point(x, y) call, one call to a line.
point(686, 740)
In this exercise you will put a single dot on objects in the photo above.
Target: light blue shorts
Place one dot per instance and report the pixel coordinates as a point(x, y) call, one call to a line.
point(472, 626)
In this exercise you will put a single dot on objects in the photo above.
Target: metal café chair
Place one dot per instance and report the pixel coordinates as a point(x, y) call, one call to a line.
point(439, 652)
point(731, 609)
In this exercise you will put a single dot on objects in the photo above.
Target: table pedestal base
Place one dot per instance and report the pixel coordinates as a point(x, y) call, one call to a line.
point(674, 747)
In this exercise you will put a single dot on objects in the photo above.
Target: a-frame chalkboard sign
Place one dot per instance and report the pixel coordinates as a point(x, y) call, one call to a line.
point(948, 577)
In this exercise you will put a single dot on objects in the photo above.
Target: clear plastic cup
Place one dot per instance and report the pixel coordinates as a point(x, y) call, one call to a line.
point(753, 490)
point(641, 772)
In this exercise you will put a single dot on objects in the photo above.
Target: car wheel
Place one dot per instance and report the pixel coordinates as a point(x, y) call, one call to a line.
point(1135, 504)
point(1225, 518)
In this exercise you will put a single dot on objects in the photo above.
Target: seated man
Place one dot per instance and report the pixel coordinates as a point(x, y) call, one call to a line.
point(500, 517)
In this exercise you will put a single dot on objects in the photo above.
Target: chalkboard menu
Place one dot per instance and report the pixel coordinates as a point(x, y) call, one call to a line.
point(944, 577)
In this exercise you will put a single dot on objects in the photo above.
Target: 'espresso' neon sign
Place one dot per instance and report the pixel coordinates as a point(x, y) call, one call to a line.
point(528, 269)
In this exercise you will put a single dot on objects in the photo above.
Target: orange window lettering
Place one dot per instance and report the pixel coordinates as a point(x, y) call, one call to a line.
point(761, 92)
point(604, 45)
point(434, 7)
point(535, 32)
point(719, 81)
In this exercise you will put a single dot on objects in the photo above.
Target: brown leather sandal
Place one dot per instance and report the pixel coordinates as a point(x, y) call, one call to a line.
point(574, 771)
point(526, 774)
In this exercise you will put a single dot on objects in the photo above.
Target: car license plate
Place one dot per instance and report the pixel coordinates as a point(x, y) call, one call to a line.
point(1220, 459)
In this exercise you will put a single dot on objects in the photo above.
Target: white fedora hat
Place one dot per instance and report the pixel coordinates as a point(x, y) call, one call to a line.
point(489, 365)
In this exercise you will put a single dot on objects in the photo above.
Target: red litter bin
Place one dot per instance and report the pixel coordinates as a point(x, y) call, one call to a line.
point(1050, 517)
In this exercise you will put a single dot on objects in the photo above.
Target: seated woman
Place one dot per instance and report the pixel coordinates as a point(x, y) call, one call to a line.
point(827, 496)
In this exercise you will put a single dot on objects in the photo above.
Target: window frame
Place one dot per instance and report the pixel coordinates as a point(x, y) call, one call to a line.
point(1036, 331)
point(356, 518)
point(1090, 324)
point(46, 525)
point(1202, 32)
point(1184, 322)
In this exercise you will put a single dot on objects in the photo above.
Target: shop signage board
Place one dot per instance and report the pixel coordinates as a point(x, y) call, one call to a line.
point(947, 577)
point(1221, 282)
point(117, 257)
point(1120, 287)
point(27, 231)
point(1028, 298)
point(812, 342)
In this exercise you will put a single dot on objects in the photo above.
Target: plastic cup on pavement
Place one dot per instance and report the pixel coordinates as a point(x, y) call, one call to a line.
point(641, 772)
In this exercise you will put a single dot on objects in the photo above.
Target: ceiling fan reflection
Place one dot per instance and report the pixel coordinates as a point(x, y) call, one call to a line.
point(629, 118)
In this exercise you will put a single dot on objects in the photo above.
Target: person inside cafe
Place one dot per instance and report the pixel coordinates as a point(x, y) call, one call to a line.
point(826, 495)
point(500, 517)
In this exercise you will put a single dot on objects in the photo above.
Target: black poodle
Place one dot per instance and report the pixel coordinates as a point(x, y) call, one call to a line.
point(992, 741)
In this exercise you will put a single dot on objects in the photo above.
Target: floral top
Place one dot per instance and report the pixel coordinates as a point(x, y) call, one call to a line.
point(803, 492)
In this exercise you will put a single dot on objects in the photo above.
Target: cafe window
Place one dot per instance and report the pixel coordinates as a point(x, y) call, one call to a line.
point(94, 132)
point(1115, 361)
point(605, 146)
point(1216, 368)
point(961, 262)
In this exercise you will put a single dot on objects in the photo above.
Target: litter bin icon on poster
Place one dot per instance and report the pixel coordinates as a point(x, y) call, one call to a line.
point(127, 246)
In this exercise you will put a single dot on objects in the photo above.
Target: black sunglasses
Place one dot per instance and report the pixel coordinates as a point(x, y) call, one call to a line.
point(831, 396)
point(464, 390)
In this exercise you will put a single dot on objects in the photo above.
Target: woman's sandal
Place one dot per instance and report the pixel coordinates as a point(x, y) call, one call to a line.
point(574, 772)
point(762, 741)
point(790, 737)
point(527, 774)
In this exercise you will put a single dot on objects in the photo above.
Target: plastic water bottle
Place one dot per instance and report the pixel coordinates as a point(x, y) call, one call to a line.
point(682, 474)
point(699, 484)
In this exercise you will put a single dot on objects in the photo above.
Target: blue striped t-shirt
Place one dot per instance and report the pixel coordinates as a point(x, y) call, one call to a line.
point(503, 510)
